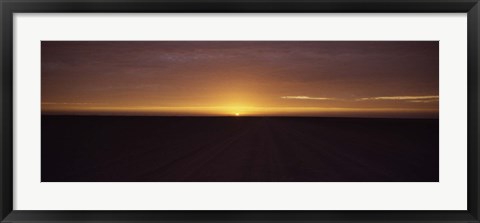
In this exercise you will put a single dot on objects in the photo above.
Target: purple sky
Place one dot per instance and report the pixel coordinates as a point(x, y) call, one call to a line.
point(314, 78)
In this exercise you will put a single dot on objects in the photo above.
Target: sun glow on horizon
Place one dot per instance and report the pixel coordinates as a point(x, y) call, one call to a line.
point(235, 111)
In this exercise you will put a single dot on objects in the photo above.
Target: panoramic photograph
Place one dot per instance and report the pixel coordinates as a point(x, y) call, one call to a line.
point(240, 111)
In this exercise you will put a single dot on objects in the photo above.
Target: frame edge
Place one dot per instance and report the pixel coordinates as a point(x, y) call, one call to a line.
point(7, 214)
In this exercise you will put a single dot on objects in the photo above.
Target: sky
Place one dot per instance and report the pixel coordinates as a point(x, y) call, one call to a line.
point(241, 78)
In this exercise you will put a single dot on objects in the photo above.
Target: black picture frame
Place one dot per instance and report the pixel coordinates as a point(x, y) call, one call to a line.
point(9, 7)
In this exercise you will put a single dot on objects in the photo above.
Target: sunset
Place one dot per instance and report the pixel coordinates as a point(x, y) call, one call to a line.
point(240, 111)
point(251, 78)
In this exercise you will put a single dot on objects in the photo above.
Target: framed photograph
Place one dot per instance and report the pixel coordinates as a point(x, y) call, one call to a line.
point(239, 111)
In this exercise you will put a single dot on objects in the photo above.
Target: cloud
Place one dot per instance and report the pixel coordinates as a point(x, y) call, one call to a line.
point(305, 98)
point(66, 103)
point(418, 99)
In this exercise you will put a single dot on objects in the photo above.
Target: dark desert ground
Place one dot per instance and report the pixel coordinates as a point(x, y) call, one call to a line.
point(238, 149)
